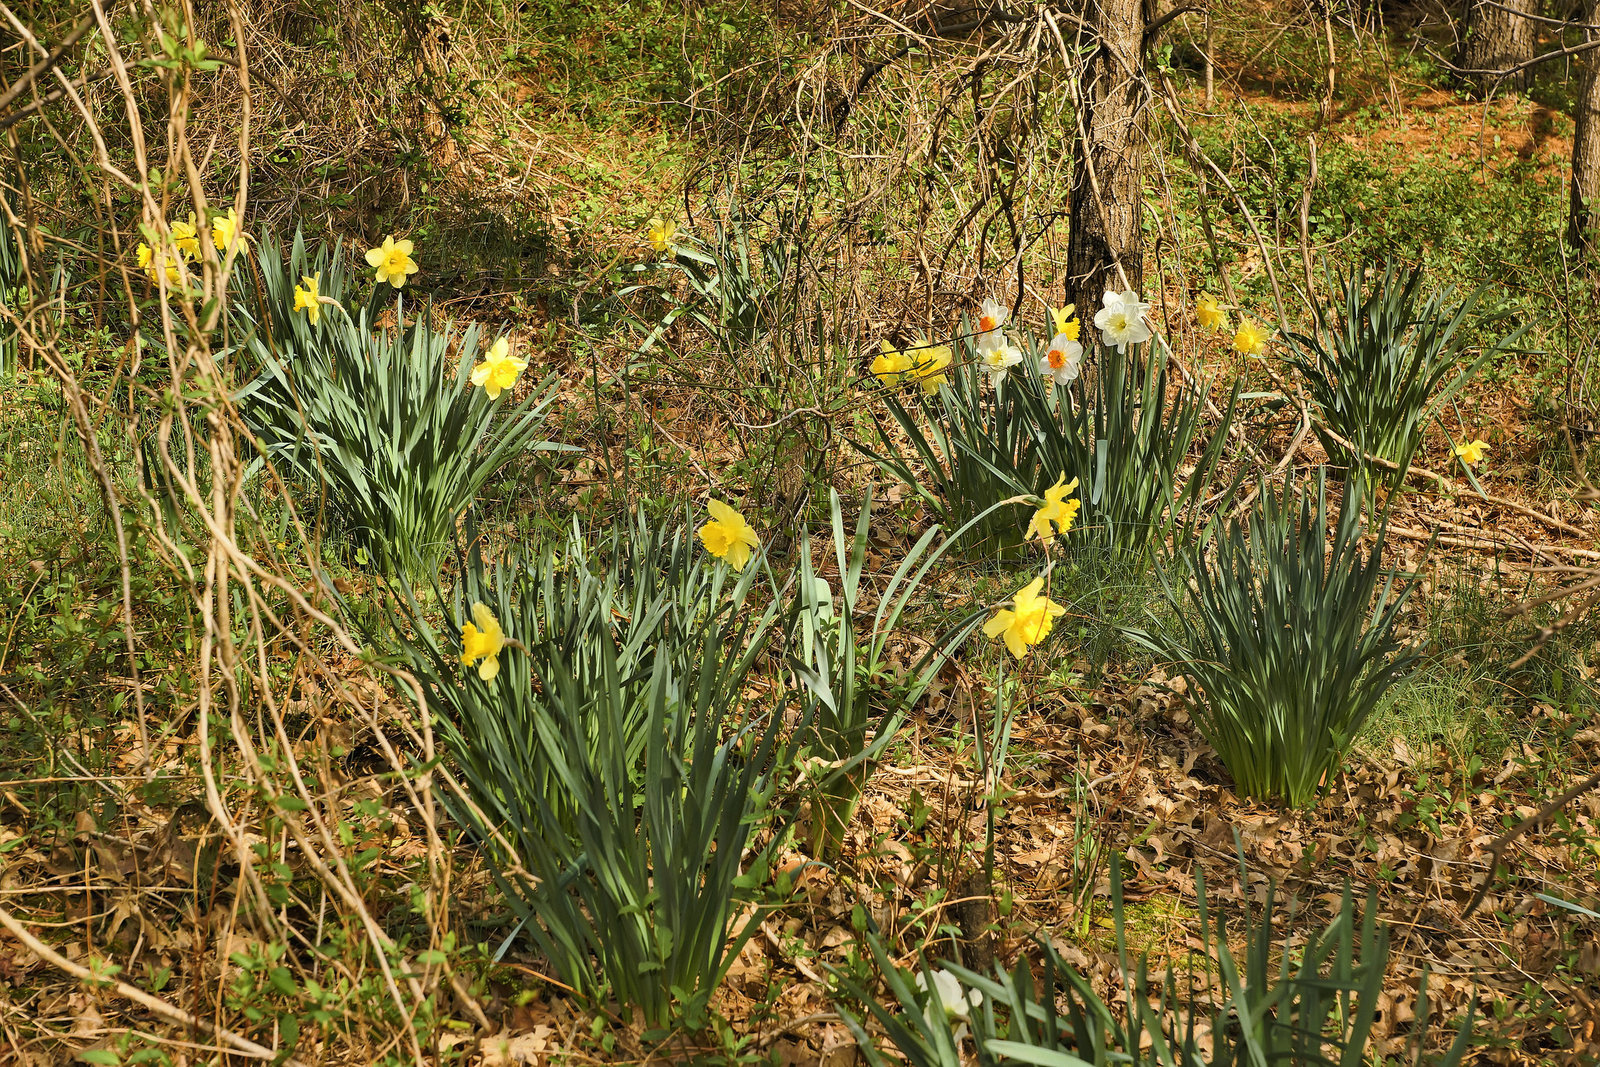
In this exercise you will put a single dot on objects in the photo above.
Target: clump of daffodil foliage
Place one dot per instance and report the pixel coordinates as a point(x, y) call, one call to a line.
point(1383, 361)
point(1287, 998)
point(1290, 641)
point(854, 695)
point(592, 694)
point(1014, 419)
point(374, 419)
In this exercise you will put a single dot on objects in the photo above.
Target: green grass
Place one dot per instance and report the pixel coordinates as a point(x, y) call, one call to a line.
point(1467, 706)
point(63, 651)
point(1446, 711)
point(44, 484)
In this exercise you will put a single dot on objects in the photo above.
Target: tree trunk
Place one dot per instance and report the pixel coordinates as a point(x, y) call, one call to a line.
point(1585, 144)
point(1497, 37)
point(974, 911)
point(1108, 158)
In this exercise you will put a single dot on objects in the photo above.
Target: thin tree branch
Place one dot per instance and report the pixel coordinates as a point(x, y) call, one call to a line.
point(1502, 74)
point(23, 112)
point(46, 62)
point(1529, 16)
point(1497, 849)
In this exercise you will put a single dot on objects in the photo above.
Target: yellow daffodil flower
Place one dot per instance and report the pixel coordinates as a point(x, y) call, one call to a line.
point(393, 260)
point(187, 238)
point(483, 641)
point(1027, 621)
point(308, 299)
point(224, 228)
point(1471, 452)
point(890, 365)
point(1057, 509)
point(661, 234)
point(727, 536)
point(1065, 322)
point(1251, 340)
point(1210, 313)
point(498, 370)
point(151, 263)
point(929, 366)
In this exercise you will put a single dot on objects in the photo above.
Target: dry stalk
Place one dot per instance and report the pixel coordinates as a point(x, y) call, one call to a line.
point(192, 511)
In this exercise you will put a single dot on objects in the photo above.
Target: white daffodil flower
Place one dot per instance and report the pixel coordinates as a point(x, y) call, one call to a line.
point(949, 997)
point(998, 359)
point(1121, 320)
point(991, 316)
point(1062, 360)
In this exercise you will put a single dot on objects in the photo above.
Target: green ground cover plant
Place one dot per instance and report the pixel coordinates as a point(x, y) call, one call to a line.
point(1289, 640)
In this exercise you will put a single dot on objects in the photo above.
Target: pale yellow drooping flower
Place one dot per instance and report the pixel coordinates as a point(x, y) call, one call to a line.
point(483, 641)
point(224, 228)
point(661, 234)
point(929, 363)
point(890, 366)
point(152, 263)
point(1210, 313)
point(1057, 510)
point(1065, 322)
point(187, 237)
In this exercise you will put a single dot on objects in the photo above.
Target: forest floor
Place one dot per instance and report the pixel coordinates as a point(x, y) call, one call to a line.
point(1103, 752)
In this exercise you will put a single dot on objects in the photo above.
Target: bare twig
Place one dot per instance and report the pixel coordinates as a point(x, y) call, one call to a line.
point(1501, 843)
point(165, 1009)
point(1502, 73)
point(45, 63)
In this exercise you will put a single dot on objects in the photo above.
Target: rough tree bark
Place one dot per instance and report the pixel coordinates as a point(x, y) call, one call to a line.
point(1585, 143)
point(1497, 37)
point(1108, 156)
